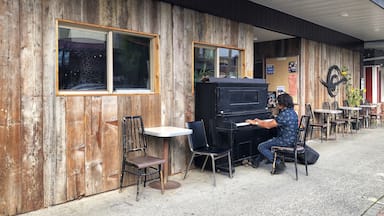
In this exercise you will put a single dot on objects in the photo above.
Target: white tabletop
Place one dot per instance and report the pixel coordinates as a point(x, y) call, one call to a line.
point(368, 105)
point(167, 131)
point(330, 111)
point(350, 108)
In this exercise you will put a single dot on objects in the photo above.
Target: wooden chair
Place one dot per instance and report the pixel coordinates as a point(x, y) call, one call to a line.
point(199, 147)
point(298, 148)
point(135, 159)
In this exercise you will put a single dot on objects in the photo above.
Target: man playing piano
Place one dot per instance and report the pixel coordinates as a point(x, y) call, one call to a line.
point(286, 122)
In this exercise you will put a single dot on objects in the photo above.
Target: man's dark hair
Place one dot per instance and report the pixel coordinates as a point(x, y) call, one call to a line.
point(285, 100)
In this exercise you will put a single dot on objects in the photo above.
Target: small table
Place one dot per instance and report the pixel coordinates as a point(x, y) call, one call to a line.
point(328, 112)
point(367, 107)
point(350, 110)
point(166, 132)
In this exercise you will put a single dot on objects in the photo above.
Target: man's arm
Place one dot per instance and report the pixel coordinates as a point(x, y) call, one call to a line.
point(262, 123)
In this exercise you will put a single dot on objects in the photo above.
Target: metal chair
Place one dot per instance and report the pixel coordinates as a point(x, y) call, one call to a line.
point(338, 119)
point(135, 159)
point(374, 115)
point(297, 148)
point(321, 125)
point(199, 146)
point(326, 105)
point(381, 114)
point(353, 122)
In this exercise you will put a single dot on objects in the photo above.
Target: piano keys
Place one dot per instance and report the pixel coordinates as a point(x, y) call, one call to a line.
point(241, 124)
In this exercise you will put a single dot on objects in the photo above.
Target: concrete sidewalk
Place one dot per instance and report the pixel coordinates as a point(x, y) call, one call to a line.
point(348, 179)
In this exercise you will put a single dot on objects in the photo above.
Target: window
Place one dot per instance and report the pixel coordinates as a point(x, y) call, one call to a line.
point(101, 60)
point(214, 61)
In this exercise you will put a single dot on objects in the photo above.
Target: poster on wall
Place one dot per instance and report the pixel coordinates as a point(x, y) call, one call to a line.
point(292, 66)
point(280, 90)
point(292, 84)
point(271, 99)
point(270, 69)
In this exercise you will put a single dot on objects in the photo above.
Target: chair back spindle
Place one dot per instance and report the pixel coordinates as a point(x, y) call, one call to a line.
point(133, 134)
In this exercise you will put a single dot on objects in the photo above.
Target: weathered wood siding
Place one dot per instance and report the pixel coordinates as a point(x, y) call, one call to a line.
point(58, 148)
point(315, 59)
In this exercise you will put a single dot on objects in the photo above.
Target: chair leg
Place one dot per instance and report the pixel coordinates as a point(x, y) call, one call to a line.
point(274, 163)
point(205, 162)
point(161, 178)
point(230, 164)
point(297, 178)
point(145, 176)
point(326, 134)
point(213, 170)
point(138, 185)
point(189, 165)
point(122, 175)
point(306, 164)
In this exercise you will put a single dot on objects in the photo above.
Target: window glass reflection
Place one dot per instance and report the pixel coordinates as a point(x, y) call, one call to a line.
point(204, 62)
point(229, 62)
point(131, 63)
point(82, 59)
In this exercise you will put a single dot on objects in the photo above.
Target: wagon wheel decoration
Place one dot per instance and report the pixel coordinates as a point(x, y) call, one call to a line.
point(334, 78)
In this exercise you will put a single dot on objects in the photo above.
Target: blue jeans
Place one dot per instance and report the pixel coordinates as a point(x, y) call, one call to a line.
point(265, 148)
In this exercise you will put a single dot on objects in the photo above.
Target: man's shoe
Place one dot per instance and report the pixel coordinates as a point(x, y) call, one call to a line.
point(279, 168)
point(255, 164)
point(256, 161)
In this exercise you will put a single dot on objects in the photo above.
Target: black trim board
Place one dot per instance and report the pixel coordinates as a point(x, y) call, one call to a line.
point(260, 16)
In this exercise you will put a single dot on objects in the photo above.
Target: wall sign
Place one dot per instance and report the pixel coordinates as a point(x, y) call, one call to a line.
point(270, 69)
point(334, 78)
point(292, 65)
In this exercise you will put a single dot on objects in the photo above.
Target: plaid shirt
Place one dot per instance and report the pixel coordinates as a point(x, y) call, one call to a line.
point(287, 121)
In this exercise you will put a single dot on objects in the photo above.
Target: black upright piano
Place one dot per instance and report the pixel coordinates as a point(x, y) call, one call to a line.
point(224, 104)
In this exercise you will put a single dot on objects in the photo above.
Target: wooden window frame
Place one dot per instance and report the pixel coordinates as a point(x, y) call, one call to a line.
point(241, 63)
point(154, 60)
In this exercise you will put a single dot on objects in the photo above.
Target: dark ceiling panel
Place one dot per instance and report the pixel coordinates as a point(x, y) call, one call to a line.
point(264, 17)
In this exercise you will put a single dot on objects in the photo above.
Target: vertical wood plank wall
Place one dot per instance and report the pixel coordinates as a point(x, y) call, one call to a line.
point(58, 148)
point(315, 59)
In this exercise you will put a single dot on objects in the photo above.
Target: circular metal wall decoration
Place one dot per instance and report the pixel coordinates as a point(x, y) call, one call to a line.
point(334, 78)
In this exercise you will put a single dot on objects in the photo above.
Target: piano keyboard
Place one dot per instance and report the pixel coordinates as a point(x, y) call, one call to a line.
point(241, 124)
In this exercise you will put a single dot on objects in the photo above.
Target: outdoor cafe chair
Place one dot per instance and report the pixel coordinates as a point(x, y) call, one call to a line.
point(338, 119)
point(353, 121)
point(199, 146)
point(296, 149)
point(135, 159)
point(320, 124)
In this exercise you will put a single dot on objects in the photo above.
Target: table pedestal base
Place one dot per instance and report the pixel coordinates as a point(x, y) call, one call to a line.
point(167, 186)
